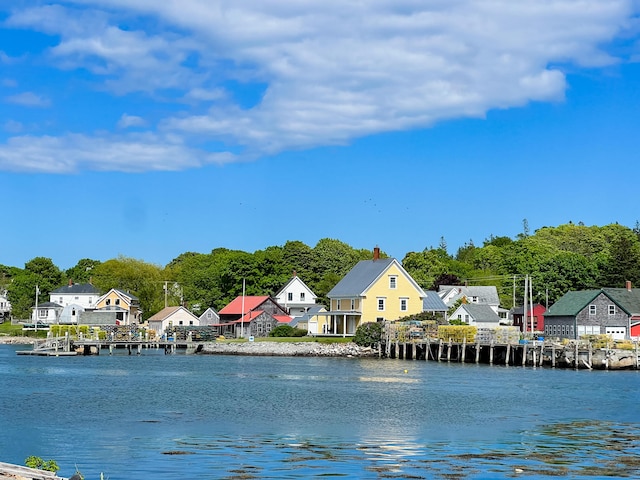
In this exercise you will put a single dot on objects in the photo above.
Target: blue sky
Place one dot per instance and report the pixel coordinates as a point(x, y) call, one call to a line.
point(149, 129)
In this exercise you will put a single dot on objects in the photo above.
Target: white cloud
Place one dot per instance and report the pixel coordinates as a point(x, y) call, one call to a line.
point(127, 121)
point(331, 71)
point(28, 99)
point(73, 153)
point(13, 126)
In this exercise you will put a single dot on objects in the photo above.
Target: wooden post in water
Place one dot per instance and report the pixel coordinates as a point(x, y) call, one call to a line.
point(440, 350)
point(506, 355)
point(449, 351)
point(464, 350)
point(533, 356)
point(636, 350)
point(575, 360)
point(491, 353)
point(524, 354)
point(477, 352)
point(541, 354)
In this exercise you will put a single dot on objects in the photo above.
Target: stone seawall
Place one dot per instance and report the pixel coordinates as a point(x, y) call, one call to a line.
point(296, 349)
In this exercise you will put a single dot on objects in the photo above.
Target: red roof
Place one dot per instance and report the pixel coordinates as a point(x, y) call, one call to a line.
point(250, 302)
point(283, 318)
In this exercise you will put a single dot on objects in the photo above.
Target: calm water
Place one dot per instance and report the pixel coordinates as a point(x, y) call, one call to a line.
point(164, 417)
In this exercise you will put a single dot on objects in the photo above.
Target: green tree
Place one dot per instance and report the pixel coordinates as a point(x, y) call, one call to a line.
point(82, 271)
point(21, 292)
point(142, 279)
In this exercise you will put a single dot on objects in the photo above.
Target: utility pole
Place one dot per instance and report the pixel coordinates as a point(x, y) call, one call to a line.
point(166, 288)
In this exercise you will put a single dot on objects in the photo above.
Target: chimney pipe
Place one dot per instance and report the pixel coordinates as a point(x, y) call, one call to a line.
point(376, 253)
point(628, 285)
point(70, 282)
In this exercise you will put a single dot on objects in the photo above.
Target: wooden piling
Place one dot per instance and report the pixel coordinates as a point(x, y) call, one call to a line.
point(449, 351)
point(491, 353)
point(507, 354)
point(553, 355)
point(464, 350)
point(477, 352)
point(524, 354)
point(440, 350)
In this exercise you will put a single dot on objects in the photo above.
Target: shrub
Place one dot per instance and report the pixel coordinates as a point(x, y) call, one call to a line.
point(36, 462)
point(368, 334)
point(287, 331)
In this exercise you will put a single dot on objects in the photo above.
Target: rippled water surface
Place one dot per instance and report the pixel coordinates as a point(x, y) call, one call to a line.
point(176, 416)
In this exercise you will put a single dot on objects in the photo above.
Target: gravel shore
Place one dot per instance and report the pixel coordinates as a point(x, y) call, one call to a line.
point(296, 349)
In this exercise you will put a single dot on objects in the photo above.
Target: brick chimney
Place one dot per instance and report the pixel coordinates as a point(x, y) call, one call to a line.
point(376, 253)
point(70, 282)
point(628, 285)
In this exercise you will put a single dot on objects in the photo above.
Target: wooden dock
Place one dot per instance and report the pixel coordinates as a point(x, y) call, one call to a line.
point(65, 346)
point(534, 353)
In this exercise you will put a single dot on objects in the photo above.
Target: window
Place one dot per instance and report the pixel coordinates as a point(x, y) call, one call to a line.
point(302, 296)
point(108, 302)
point(180, 322)
point(190, 322)
point(612, 309)
point(381, 304)
point(337, 304)
point(474, 299)
point(290, 297)
point(403, 304)
point(379, 319)
point(466, 318)
point(353, 304)
point(592, 309)
point(393, 282)
point(42, 313)
point(209, 315)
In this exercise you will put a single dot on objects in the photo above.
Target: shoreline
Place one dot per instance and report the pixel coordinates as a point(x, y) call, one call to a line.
point(287, 349)
point(12, 340)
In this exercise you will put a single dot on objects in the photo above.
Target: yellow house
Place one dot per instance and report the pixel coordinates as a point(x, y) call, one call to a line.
point(373, 291)
point(126, 307)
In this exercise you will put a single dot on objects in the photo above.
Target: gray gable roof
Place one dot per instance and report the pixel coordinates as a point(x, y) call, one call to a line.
point(433, 303)
point(77, 288)
point(485, 294)
point(358, 279)
point(572, 303)
point(481, 313)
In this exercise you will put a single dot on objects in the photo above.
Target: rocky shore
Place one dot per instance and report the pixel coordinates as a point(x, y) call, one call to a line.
point(8, 340)
point(296, 349)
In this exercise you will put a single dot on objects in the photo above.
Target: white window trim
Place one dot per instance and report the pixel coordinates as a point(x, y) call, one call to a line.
point(393, 282)
point(381, 302)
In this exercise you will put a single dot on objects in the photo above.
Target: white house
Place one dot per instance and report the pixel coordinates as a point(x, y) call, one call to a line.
point(172, 317)
point(46, 312)
point(296, 297)
point(5, 305)
point(82, 294)
point(481, 316)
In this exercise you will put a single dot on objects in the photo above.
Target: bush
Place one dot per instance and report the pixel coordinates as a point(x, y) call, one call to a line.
point(40, 464)
point(368, 334)
point(287, 331)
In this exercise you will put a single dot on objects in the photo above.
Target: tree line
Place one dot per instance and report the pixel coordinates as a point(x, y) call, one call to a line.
point(558, 259)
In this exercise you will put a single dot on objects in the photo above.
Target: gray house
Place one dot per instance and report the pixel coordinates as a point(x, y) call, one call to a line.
point(608, 311)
